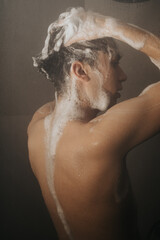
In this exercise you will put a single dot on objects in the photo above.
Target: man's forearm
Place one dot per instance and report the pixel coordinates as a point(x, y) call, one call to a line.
point(136, 37)
point(84, 25)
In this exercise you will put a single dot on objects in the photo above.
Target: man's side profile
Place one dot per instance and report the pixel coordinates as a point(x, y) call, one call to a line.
point(78, 143)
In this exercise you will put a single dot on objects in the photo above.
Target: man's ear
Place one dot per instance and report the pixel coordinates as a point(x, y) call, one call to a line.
point(79, 70)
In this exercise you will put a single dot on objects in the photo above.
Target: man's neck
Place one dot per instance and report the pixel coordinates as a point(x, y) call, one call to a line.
point(77, 109)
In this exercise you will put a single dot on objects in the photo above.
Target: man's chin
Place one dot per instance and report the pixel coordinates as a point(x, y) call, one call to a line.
point(112, 102)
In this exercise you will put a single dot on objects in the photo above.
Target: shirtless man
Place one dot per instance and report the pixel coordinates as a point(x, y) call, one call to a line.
point(77, 154)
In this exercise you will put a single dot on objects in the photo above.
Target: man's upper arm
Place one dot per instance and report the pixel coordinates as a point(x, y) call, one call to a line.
point(134, 121)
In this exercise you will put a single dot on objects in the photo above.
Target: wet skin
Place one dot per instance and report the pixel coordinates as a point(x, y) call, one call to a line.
point(91, 178)
point(97, 193)
point(92, 185)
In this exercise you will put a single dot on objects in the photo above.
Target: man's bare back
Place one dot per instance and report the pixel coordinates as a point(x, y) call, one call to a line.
point(92, 195)
point(93, 187)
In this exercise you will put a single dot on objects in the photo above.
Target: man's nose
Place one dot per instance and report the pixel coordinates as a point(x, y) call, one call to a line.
point(122, 75)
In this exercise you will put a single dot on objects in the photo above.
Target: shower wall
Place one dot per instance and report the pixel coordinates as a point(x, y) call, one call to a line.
point(23, 26)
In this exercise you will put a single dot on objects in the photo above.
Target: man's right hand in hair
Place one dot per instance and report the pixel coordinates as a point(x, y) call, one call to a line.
point(83, 25)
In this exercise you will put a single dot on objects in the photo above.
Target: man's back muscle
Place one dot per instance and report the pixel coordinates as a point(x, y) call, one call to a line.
point(91, 184)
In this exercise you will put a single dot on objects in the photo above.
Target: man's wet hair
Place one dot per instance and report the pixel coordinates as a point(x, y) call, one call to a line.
point(56, 66)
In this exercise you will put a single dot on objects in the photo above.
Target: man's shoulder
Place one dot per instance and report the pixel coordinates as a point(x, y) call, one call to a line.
point(39, 115)
point(35, 143)
point(130, 122)
point(35, 130)
point(116, 125)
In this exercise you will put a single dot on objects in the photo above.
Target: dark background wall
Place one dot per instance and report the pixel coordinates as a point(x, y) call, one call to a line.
point(23, 25)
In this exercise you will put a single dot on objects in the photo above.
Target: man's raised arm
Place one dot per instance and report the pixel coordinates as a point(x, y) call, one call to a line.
point(139, 39)
point(137, 119)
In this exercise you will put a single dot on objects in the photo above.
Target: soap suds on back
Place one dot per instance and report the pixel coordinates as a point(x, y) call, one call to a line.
point(65, 111)
point(69, 107)
point(91, 129)
point(97, 119)
point(95, 143)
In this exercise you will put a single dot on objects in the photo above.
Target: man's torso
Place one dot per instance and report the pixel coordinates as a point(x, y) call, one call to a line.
point(92, 185)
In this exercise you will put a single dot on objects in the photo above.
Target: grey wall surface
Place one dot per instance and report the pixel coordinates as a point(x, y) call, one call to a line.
point(144, 161)
point(23, 26)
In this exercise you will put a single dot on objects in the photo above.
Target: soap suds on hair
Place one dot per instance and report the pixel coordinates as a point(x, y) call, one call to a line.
point(69, 24)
